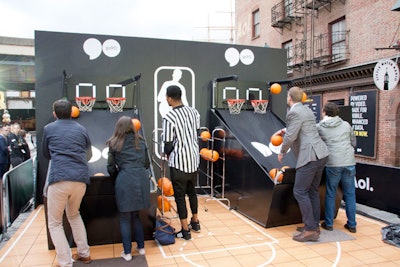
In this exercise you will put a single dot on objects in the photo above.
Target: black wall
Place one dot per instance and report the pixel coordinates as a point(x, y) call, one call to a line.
point(56, 52)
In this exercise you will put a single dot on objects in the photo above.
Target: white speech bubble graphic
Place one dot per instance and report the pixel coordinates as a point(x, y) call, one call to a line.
point(246, 56)
point(111, 48)
point(96, 154)
point(104, 153)
point(263, 149)
point(232, 56)
point(92, 48)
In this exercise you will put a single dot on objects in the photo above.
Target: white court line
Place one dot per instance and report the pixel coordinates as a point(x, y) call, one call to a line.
point(270, 244)
point(245, 220)
point(338, 254)
point(14, 243)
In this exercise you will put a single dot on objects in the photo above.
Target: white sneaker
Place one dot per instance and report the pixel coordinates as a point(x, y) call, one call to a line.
point(141, 251)
point(127, 257)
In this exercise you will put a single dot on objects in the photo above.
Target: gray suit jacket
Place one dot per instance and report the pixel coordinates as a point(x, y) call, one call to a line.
point(302, 136)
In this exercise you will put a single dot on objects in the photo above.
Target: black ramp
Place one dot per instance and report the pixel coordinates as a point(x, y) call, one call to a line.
point(253, 131)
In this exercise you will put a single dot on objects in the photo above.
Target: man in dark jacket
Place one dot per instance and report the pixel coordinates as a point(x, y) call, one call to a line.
point(66, 143)
point(19, 147)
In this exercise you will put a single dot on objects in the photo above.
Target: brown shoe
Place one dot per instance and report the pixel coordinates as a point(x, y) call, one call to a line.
point(306, 236)
point(85, 260)
point(301, 229)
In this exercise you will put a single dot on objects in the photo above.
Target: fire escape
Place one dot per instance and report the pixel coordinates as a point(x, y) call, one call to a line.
point(309, 51)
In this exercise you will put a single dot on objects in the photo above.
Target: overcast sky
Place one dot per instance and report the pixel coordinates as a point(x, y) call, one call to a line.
point(165, 19)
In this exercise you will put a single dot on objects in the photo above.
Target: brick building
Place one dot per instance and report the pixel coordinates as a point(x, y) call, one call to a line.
point(334, 48)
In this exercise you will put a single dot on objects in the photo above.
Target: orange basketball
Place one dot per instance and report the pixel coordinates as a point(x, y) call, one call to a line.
point(166, 186)
point(280, 177)
point(209, 154)
point(136, 124)
point(273, 173)
point(75, 112)
point(167, 205)
point(276, 88)
point(276, 139)
point(304, 98)
point(205, 135)
point(203, 152)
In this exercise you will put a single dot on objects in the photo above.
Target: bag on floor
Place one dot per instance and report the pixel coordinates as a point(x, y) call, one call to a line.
point(164, 233)
point(391, 234)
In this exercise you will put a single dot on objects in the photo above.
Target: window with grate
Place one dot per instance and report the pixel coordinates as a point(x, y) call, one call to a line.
point(338, 40)
point(289, 52)
point(288, 8)
point(256, 23)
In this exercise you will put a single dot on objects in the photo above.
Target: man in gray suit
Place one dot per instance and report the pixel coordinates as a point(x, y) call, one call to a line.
point(302, 136)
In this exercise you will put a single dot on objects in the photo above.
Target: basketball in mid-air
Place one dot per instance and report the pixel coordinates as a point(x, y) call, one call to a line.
point(276, 139)
point(75, 112)
point(136, 124)
point(276, 88)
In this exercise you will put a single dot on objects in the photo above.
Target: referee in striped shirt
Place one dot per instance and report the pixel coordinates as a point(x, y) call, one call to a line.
point(180, 127)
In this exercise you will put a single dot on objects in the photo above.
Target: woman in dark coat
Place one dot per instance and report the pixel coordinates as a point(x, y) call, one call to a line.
point(128, 161)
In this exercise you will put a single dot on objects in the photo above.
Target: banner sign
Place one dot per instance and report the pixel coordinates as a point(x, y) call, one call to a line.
point(315, 106)
point(363, 117)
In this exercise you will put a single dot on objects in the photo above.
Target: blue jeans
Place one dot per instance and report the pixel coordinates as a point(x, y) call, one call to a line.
point(125, 224)
point(345, 176)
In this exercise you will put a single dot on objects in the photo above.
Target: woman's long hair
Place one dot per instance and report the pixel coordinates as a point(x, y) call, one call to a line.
point(123, 127)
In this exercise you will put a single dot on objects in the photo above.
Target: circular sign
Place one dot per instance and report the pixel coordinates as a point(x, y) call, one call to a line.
point(386, 74)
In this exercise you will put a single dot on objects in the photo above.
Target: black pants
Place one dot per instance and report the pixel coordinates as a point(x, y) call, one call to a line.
point(184, 183)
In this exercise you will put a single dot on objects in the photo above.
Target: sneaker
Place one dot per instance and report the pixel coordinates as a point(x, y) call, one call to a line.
point(350, 228)
point(185, 234)
point(194, 226)
point(127, 257)
point(141, 251)
point(326, 227)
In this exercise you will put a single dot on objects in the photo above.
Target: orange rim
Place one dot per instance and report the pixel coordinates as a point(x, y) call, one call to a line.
point(232, 101)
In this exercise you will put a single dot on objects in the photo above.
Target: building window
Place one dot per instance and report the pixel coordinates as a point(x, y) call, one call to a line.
point(338, 102)
point(256, 23)
point(289, 52)
point(338, 40)
point(288, 8)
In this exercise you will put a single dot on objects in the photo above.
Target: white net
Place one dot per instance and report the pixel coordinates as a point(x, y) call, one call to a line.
point(116, 104)
point(235, 105)
point(85, 103)
point(260, 106)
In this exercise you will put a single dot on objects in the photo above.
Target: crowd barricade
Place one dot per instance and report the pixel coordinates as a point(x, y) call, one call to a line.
point(18, 192)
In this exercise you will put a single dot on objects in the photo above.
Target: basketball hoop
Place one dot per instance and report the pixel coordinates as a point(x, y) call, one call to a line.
point(116, 104)
point(85, 103)
point(260, 106)
point(235, 105)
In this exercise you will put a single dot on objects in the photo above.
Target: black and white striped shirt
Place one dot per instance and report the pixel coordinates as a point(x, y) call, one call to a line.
point(180, 127)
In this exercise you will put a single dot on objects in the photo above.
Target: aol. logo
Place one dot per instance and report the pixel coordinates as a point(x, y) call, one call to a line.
point(363, 184)
point(93, 48)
